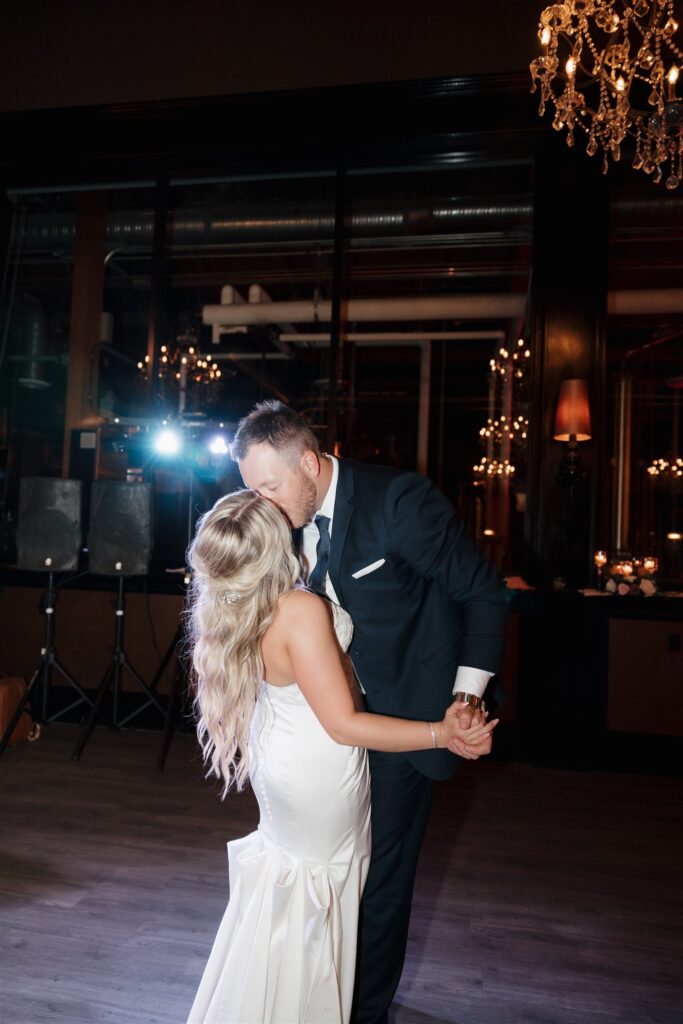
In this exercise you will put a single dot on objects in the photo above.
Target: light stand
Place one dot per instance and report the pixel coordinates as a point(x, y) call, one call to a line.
point(178, 690)
point(112, 679)
point(38, 690)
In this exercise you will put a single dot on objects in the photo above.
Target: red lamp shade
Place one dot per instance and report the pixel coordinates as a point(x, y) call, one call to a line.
point(573, 416)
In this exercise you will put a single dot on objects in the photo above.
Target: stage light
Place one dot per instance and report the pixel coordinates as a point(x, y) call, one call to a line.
point(218, 445)
point(167, 442)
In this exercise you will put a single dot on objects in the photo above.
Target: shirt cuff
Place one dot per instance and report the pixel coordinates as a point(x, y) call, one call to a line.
point(471, 680)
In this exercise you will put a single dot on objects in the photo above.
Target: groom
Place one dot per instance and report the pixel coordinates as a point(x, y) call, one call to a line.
point(429, 614)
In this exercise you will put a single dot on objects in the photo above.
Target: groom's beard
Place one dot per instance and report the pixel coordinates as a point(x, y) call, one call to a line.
point(304, 503)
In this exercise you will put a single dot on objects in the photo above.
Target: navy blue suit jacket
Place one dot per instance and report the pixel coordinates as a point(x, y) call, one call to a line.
point(433, 604)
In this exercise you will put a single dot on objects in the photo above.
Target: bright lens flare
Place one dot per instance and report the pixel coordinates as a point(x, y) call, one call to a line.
point(167, 442)
point(218, 445)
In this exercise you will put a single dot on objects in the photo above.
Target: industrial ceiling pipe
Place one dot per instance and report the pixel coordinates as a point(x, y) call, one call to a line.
point(292, 222)
point(263, 222)
point(378, 338)
point(421, 307)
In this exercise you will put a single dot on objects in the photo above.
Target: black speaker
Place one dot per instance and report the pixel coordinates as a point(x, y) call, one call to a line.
point(49, 534)
point(120, 533)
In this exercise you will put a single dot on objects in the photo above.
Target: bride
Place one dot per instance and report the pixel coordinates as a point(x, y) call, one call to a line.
point(278, 705)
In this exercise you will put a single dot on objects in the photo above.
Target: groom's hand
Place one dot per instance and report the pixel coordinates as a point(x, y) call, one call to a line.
point(467, 716)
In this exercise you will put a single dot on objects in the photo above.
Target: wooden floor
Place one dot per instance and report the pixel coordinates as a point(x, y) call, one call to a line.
point(544, 897)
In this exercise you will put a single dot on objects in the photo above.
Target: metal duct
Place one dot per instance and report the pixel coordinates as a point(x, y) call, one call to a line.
point(33, 376)
point(264, 222)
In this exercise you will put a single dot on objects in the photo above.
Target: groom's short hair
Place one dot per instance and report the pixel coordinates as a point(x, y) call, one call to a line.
point(274, 423)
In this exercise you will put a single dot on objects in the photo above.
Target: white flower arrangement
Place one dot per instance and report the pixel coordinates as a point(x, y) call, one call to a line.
point(631, 576)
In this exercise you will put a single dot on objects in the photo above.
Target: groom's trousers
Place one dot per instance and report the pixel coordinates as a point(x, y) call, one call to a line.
point(401, 798)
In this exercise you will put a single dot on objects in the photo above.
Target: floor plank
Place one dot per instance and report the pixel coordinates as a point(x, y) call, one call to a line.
point(543, 897)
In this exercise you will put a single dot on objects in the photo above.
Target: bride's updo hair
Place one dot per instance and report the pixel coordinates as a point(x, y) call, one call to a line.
point(242, 562)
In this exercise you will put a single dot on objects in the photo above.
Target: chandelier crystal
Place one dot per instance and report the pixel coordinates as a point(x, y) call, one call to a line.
point(612, 70)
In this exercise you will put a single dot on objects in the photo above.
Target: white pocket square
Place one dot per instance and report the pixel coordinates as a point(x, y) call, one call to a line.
point(368, 568)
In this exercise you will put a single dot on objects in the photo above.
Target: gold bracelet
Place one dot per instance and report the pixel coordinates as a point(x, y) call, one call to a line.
point(431, 729)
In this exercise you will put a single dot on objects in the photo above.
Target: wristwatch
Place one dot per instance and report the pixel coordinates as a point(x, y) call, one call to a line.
point(471, 699)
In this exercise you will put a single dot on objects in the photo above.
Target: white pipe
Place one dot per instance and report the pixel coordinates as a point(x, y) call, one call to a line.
point(217, 356)
point(439, 307)
point(371, 338)
point(259, 294)
point(647, 300)
point(230, 296)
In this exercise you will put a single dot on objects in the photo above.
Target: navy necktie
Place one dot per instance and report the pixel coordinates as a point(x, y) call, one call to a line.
point(316, 580)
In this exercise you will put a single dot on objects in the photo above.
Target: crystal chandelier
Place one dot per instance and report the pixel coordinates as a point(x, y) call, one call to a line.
point(611, 69)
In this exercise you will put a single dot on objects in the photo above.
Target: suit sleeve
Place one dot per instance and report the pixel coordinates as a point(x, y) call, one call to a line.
point(425, 533)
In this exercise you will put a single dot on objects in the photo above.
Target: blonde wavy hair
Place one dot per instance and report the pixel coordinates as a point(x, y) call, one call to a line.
point(242, 562)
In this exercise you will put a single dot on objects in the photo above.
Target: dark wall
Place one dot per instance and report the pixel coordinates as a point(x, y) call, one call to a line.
point(77, 53)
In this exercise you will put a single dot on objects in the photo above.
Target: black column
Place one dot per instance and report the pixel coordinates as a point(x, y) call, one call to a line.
point(568, 309)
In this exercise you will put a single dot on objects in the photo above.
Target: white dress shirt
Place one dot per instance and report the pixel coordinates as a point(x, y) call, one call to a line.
point(467, 679)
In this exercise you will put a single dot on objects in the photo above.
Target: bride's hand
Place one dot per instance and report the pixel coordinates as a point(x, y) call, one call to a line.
point(471, 742)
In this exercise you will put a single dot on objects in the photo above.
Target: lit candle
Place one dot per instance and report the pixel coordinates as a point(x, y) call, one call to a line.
point(650, 563)
point(672, 78)
point(600, 558)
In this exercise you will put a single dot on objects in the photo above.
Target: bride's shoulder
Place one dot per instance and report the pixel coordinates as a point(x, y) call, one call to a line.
point(300, 604)
point(301, 613)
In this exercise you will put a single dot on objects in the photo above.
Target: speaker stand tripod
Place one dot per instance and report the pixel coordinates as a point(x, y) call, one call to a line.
point(112, 679)
point(38, 690)
point(179, 687)
point(177, 692)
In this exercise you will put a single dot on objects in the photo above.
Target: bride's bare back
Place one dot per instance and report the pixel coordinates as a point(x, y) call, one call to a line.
point(278, 667)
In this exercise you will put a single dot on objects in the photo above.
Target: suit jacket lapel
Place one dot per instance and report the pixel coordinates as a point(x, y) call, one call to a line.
point(343, 508)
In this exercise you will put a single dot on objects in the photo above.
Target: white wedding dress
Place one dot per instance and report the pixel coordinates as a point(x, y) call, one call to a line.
point(285, 951)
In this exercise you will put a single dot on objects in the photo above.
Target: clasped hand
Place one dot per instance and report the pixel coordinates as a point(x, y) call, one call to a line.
point(467, 732)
